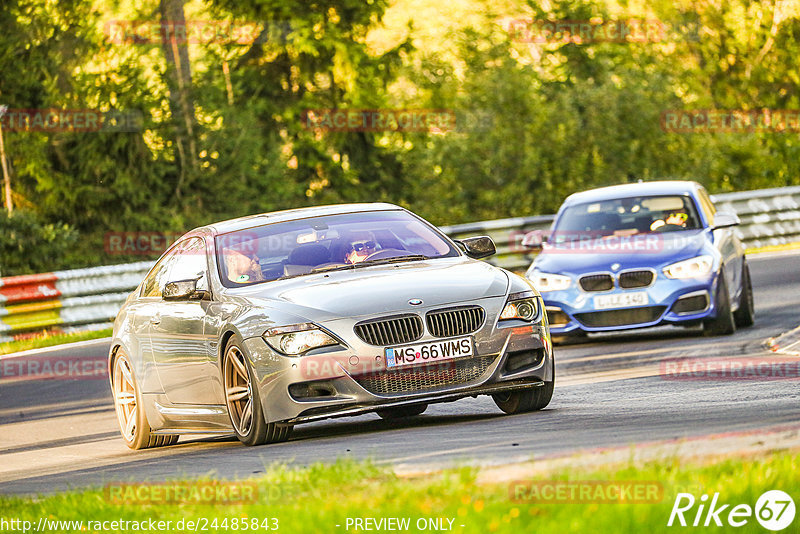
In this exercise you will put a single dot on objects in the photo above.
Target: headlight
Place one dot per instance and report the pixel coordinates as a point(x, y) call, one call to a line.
point(692, 268)
point(297, 339)
point(523, 306)
point(544, 282)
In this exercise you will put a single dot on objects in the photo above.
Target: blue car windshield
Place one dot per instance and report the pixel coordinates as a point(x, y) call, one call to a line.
point(326, 243)
point(625, 217)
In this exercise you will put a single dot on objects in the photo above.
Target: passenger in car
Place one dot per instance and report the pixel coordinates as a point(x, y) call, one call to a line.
point(242, 268)
point(673, 219)
point(677, 219)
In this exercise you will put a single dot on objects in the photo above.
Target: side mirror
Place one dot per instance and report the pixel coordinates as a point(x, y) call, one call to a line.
point(534, 239)
point(724, 219)
point(183, 290)
point(478, 247)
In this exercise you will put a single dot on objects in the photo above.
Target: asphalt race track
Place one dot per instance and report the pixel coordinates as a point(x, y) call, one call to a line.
point(610, 391)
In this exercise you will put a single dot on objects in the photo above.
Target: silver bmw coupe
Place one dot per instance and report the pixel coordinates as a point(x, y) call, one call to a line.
point(253, 325)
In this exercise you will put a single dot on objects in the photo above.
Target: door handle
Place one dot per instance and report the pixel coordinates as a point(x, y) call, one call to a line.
point(156, 319)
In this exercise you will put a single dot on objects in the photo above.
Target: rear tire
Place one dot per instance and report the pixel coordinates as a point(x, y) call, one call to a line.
point(723, 324)
point(745, 315)
point(131, 416)
point(527, 400)
point(244, 403)
point(400, 412)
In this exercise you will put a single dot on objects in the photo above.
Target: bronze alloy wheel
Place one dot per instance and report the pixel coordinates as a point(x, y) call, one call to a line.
point(130, 414)
point(238, 391)
point(244, 404)
point(125, 397)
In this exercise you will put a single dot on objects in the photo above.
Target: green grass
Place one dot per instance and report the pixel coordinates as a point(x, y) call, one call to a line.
point(48, 340)
point(317, 498)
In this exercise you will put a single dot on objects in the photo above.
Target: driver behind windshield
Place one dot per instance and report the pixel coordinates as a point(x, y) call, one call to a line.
point(362, 245)
point(673, 219)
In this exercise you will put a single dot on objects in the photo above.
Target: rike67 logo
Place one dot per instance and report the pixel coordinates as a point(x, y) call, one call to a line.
point(774, 510)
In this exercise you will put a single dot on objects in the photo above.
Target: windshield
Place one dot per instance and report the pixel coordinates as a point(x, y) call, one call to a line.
point(319, 244)
point(625, 217)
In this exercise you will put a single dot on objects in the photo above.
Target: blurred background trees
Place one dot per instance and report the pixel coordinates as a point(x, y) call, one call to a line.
point(222, 134)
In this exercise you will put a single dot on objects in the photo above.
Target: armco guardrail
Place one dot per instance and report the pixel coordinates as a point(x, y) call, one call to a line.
point(769, 216)
point(84, 298)
point(507, 235)
point(90, 298)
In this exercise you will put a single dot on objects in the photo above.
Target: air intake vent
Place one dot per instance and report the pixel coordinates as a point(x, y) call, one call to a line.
point(414, 379)
point(455, 321)
point(390, 330)
point(691, 304)
point(631, 279)
point(623, 317)
point(597, 282)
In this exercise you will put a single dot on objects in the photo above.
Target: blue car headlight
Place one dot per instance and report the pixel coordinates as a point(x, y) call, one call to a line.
point(691, 268)
point(544, 282)
point(298, 339)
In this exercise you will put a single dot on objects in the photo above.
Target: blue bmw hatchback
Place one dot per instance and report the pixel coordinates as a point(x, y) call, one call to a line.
point(640, 255)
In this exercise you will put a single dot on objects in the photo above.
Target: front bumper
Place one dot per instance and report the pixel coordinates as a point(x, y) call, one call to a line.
point(353, 379)
point(669, 302)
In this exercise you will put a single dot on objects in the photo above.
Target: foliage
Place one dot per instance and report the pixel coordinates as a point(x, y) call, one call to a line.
point(28, 244)
point(535, 121)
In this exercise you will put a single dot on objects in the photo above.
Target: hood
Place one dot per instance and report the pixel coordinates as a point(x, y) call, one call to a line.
point(647, 250)
point(381, 289)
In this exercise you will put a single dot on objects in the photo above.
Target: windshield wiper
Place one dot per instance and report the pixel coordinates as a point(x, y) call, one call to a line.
point(395, 259)
point(286, 277)
point(367, 263)
point(335, 267)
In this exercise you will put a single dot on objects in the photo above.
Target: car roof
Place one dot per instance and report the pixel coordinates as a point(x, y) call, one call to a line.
point(662, 187)
point(250, 221)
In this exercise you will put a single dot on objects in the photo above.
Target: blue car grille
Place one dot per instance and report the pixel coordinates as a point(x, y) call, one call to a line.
point(596, 282)
point(627, 316)
point(631, 279)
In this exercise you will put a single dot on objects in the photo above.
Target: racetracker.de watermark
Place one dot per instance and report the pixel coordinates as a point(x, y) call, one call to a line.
point(323, 366)
point(731, 121)
point(51, 120)
point(587, 491)
point(138, 243)
point(146, 32)
point(733, 368)
point(180, 492)
point(628, 30)
point(148, 243)
point(53, 368)
point(379, 120)
point(597, 241)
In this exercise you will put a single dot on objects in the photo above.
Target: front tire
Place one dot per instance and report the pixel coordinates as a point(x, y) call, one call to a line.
point(527, 400)
point(133, 425)
point(723, 324)
point(745, 315)
point(402, 411)
point(244, 403)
